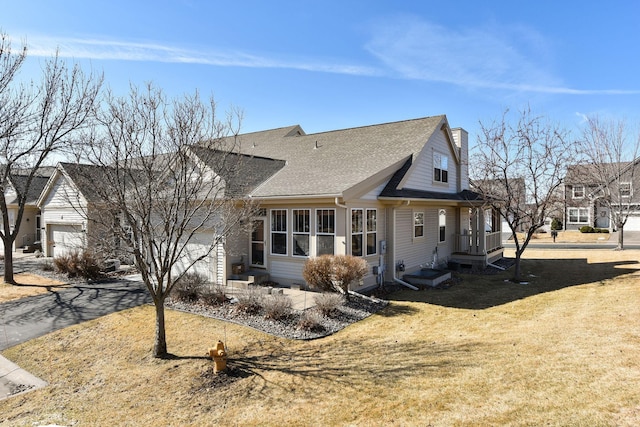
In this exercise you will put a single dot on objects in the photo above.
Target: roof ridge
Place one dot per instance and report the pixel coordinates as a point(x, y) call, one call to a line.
point(440, 116)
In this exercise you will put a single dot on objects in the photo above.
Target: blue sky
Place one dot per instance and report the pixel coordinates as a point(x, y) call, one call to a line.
point(337, 64)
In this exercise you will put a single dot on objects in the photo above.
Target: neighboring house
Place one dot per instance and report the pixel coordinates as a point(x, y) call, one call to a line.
point(396, 194)
point(587, 204)
point(66, 203)
point(29, 234)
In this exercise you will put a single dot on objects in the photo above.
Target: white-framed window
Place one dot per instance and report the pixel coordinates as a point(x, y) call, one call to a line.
point(372, 231)
point(301, 229)
point(440, 168)
point(578, 191)
point(625, 189)
point(357, 231)
point(279, 231)
point(418, 224)
point(442, 225)
point(364, 229)
point(578, 215)
point(325, 231)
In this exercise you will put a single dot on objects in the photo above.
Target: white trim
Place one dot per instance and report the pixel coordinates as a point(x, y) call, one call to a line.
point(307, 233)
point(272, 232)
point(318, 233)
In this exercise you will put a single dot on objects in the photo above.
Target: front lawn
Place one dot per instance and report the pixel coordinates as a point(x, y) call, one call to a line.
point(560, 350)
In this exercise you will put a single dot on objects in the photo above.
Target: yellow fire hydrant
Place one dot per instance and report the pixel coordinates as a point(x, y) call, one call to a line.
point(219, 356)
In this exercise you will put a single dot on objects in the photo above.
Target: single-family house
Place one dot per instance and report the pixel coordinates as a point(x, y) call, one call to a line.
point(589, 202)
point(28, 237)
point(396, 194)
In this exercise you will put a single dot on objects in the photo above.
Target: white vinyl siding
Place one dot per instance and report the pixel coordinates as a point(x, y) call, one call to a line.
point(286, 271)
point(220, 257)
point(421, 172)
point(416, 252)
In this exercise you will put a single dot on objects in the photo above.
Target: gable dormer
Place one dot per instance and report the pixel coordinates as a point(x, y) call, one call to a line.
point(437, 167)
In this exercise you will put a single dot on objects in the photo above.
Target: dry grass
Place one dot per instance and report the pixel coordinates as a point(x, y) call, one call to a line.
point(29, 285)
point(561, 350)
point(570, 237)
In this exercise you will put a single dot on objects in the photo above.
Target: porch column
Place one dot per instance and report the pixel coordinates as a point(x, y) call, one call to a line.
point(473, 247)
point(482, 234)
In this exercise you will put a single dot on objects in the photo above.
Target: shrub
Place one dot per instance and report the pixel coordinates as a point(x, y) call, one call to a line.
point(556, 224)
point(277, 307)
point(214, 296)
point(189, 287)
point(348, 269)
point(78, 264)
point(328, 303)
point(310, 320)
point(250, 302)
point(318, 272)
point(334, 272)
point(587, 229)
point(47, 265)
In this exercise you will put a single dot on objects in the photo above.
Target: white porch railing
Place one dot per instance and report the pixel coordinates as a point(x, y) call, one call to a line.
point(470, 243)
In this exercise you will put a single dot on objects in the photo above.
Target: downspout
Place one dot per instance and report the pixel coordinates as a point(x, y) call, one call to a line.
point(395, 278)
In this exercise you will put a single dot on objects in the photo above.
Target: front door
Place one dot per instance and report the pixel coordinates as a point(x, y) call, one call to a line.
point(602, 217)
point(258, 243)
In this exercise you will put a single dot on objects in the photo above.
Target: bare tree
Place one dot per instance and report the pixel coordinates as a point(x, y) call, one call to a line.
point(609, 168)
point(518, 169)
point(36, 121)
point(164, 192)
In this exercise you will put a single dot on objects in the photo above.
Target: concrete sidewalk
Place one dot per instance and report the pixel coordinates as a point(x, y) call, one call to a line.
point(15, 380)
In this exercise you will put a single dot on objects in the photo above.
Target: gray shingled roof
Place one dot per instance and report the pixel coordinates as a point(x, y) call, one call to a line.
point(87, 178)
point(329, 163)
point(37, 185)
point(241, 173)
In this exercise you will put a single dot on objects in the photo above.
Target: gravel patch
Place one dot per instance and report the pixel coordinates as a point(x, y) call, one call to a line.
point(357, 308)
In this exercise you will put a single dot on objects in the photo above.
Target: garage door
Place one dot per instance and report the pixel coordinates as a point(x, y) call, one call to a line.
point(198, 246)
point(633, 223)
point(65, 238)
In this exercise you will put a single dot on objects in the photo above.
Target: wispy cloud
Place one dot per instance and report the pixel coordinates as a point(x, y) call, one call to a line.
point(104, 49)
point(513, 58)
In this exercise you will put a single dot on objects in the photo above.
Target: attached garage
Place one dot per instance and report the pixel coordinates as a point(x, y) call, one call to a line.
point(63, 239)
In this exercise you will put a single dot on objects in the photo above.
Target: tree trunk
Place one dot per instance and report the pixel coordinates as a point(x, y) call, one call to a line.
point(8, 264)
point(620, 238)
point(160, 345)
point(516, 273)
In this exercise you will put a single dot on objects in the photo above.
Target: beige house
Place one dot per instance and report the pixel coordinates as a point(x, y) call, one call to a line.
point(396, 194)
